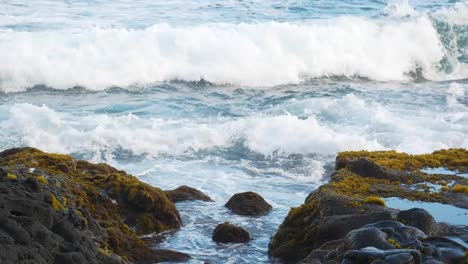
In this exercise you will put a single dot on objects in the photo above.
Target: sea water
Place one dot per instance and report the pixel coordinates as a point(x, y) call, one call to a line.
point(232, 96)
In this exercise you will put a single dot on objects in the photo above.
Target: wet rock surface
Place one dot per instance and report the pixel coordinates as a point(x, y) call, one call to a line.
point(55, 209)
point(229, 233)
point(346, 221)
point(186, 193)
point(419, 218)
point(248, 204)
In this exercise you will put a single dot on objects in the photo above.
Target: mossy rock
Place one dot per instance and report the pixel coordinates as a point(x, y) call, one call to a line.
point(248, 203)
point(186, 193)
point(113, 207)
point(353, 196)
point(453, 159)
point(229, 233)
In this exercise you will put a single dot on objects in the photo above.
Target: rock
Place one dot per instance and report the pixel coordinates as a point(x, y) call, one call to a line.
point(366, 168)
point(248, 203)
point(70, 258)
point(337, 226)
point(370, 255)
point(420, 219)
point(337, 212)
point(229, 233)
point(367, 237)
point(185, 193)
point(446, 250)
point(164, 255)
point(384, 235)
point(69, 211)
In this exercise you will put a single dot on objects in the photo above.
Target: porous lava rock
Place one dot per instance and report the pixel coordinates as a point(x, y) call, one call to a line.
point(55, 209)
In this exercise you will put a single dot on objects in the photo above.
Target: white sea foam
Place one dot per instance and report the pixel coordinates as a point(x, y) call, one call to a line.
point(456, 96)
point(102, 134)
point(262, 54)
point(456, 15)
point(41, 127)
point(399, 8)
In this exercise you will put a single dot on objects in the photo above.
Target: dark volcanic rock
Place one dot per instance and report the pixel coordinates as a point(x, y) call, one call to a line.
point(367, 237)
point(384, 235)
point(388, 242)
point(366, 168)
point(185, 193)
point(164, 255)
point(372, 255)
point(248, 203)
point(445, 250)
point(419, 218)
point(229, 233)
point(337, 226)
point(343, 215)
point(54, 209)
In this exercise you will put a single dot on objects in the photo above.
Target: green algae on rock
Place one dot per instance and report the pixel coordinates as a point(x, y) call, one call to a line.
point(94, 211)
point(349, 201)
point(186, 193)
point(248, 204)
point(229, 233)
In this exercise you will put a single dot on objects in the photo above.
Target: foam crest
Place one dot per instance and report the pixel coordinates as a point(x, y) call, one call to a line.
point(399, 8)
point(40, 126)
point(261, 54)
point(456, 98)
point(456, 15)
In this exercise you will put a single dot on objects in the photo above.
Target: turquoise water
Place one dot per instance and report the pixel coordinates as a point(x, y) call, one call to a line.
point(230, 96)
point(441, 212)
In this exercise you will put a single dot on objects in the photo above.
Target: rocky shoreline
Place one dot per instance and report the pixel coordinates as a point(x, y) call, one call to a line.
point(346, 220)
point(55, 209)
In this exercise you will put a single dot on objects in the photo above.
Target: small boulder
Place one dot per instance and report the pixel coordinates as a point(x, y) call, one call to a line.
point(248, 203)
point(367, 237)
point(166, 255)
point(229, 233)
point(420, 219)
point(186, 193)
point(384, 235)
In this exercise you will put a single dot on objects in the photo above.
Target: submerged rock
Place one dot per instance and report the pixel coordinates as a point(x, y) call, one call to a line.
point(229, 233)
point(185, 193)
point(55, 209)
point(340, 217)
point(249, 204)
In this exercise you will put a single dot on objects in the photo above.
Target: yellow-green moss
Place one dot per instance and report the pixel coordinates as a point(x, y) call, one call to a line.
point(393, 242)
point(80, 184)
point(56, 205)
point(355, 204)
point(460, 188)
point(374, 200)
point(42, 180)
point(104, 251)
point(11, 177)
point(450, 158)
point(51, 163)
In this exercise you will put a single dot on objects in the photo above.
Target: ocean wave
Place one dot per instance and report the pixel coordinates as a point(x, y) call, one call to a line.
point(42, 127)
point(261, 54)
point(324, 127)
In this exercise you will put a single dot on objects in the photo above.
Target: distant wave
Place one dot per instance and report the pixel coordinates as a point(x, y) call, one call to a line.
point(262, 54)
